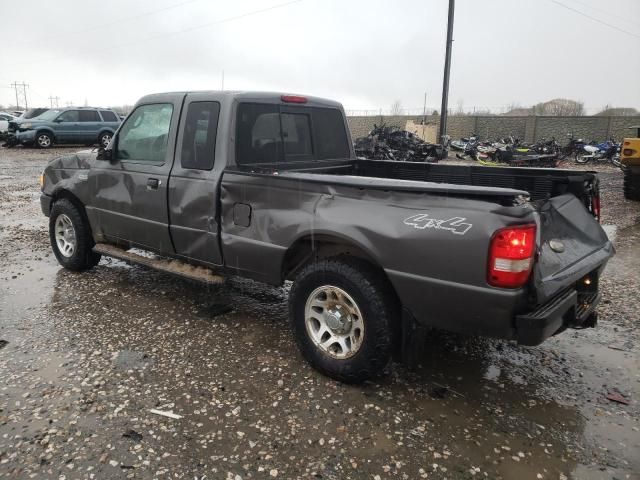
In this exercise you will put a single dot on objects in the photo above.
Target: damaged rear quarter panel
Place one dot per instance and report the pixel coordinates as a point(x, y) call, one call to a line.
point(433, 269)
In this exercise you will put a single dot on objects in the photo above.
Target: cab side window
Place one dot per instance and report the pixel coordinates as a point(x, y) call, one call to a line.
point(199, 140)
point(88, 116)
point(144, 135)
point(69, 116)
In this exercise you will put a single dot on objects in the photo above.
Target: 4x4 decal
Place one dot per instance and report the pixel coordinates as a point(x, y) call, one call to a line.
point(455, 225)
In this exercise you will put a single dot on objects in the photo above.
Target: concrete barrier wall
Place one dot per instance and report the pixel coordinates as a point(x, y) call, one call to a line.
point(529, 129)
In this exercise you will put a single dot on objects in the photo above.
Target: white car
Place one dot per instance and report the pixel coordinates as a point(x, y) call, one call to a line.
point(5, 118)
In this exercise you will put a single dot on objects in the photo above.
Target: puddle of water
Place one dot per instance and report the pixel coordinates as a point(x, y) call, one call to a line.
point(131, 360)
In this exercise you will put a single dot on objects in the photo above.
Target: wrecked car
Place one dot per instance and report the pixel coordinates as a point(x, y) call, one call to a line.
point(267, 186)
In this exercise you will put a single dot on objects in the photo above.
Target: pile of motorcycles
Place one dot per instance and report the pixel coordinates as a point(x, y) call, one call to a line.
point(546, 153)
point(393, 143)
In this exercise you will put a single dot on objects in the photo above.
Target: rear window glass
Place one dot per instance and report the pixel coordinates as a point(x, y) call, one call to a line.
point(88, 116)
point(264, 135)
point(296, 133)
point(330, 134)
point(258, 138)
point(199, 140)
point(108, 116)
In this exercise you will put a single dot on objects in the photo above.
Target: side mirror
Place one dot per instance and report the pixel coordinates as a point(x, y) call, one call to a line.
point(58, 120)
point(105, 154)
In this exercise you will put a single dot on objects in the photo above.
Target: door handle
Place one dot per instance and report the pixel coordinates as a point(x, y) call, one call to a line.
point(153, 183)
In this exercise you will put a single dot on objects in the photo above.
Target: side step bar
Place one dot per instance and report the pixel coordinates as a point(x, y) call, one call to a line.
point(175, 267)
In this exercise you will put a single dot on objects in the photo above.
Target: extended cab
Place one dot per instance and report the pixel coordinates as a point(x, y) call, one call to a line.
point(267, 186)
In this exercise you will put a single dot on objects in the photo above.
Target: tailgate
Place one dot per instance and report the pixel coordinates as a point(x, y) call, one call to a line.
point(572, 244)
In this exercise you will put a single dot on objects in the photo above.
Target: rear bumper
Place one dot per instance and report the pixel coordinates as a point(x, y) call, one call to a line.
point(567, 310)
point(491, 312)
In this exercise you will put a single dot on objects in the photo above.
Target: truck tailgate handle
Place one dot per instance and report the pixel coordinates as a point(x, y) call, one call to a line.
point(152, 184)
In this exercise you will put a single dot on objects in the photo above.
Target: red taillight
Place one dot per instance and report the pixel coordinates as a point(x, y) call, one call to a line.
point(628, 152)
point(595, 203)
point(511, 256)
point(293, 99)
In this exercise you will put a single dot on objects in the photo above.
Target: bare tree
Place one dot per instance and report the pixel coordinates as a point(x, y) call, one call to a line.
point(460, 108)
point(609, 111)
point(560, 107)
point(396, 108)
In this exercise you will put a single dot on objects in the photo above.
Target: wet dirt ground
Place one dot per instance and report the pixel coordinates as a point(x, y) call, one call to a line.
point(85, 357)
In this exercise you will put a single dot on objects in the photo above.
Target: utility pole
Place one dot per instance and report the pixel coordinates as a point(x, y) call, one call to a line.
point(52, 99)
point(23, 87)
point(447, 68)
point(15, 87)
point(424, 114)
point(222, 81)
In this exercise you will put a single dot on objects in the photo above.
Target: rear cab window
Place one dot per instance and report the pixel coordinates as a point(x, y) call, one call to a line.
point(271, 133)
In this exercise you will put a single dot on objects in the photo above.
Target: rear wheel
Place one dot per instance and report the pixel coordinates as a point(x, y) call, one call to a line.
point(104, 139)
point(631, 185)
point(343, 310)
point(70, 236)
point(582, 158)
point(44, 140)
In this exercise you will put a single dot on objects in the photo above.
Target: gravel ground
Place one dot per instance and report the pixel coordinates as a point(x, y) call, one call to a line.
point(85, 357)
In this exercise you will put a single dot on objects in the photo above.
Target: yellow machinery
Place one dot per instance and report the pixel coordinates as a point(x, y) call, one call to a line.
point(630, 159)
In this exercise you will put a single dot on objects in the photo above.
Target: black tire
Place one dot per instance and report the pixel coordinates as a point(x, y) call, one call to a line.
point(631, 185)
point(43, 140)
point(582, 158)
point(373, 296)
point(81, 257)
point(104, 139)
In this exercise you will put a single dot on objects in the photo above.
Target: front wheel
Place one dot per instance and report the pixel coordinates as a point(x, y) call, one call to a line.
point(615, 160)
point(343, 310)
point(44, 140)
point(70, 236)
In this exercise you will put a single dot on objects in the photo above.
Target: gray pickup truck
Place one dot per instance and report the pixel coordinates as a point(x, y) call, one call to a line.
point(267, 186)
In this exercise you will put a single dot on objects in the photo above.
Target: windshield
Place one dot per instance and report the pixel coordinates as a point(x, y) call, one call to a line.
point(33, 113)
point(49, 115)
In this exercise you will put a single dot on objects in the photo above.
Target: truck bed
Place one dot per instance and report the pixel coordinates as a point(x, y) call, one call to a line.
point(499, 183)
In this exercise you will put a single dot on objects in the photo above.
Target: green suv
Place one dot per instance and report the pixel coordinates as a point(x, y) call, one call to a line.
point(73, 125)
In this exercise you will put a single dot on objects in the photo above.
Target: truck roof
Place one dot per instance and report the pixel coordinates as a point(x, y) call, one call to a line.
point(262, 97)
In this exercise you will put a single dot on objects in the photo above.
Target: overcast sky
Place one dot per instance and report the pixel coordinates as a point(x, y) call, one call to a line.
point(364, 53)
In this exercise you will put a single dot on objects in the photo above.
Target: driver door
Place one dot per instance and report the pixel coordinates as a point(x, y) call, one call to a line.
point(66, 126)
point(130, 191)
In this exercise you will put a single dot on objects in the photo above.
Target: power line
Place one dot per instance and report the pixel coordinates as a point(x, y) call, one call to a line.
point(595, 19)
point(109, 24)
point(606, 12)
point(177, 32)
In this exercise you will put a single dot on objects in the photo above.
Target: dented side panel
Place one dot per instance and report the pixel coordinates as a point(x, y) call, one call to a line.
point(433, 247)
